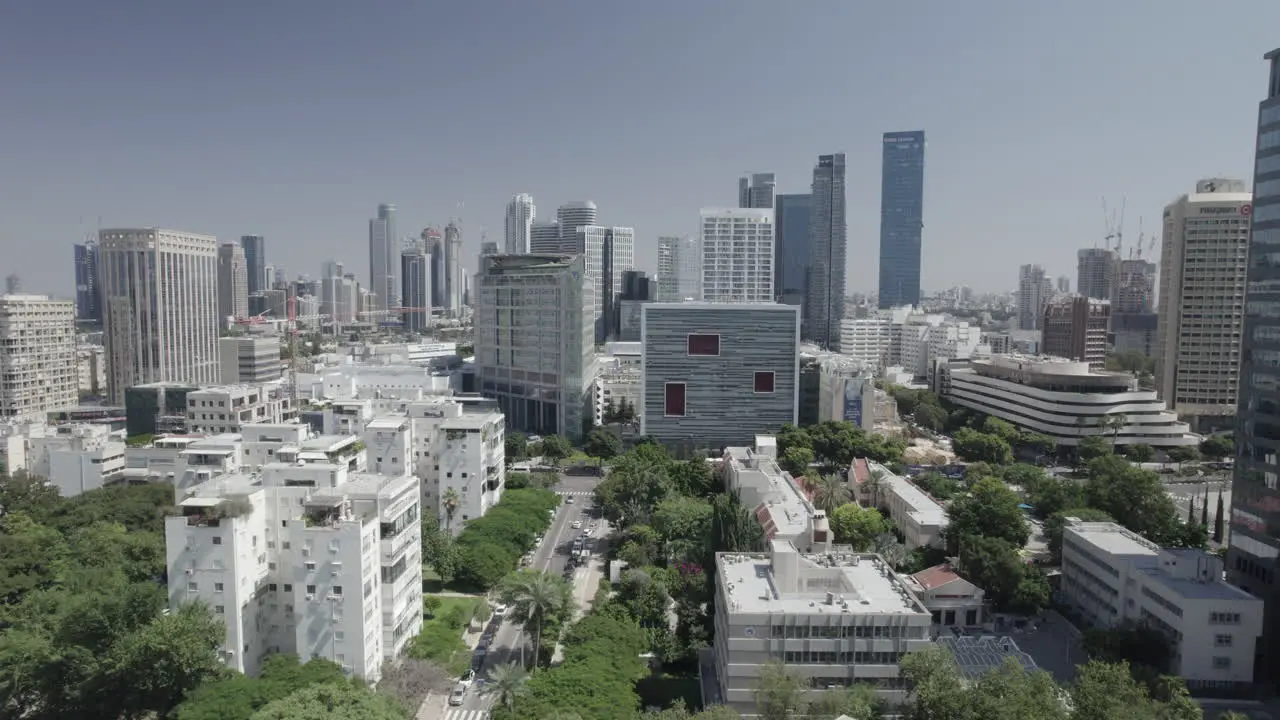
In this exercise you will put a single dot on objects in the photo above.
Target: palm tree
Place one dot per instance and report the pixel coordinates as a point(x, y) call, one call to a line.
point(506, 683)
point(1115, 423)
point(451, 502)
point(829, 493)
point(875, 481)
point(534, 598)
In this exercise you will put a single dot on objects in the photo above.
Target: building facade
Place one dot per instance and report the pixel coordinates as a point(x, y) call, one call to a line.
point(384, 255)
point(1034, 291)
point(718, 374)
point(792, 252)
point(160, 307)
point(679, 269)
point(573, 215)
point(756, 191)
point(38, 362)
point(453, 278)
point(1097, 273)
point(233, 283)
point(901, 218)
point(88, 303)
point(534, 341)
point(1203, 268)
point(610, 252)
point(521, 212)
point(221, 409)
point(736, 250)
point(830, 238)
point(1075, 327)
point(415, 288)
point(249, 360)
point(255, 258)
point(544, 237)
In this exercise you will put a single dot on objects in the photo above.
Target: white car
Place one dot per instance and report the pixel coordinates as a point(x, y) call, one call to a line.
point(467, 679)
point(499, 610)
point(577, 525)
point(568, 500)
point(458, 695)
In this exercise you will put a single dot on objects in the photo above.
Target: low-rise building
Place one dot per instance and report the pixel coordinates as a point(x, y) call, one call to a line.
point(1063, 399)
point(76, 458)
point(304, 559)
point(91, 364)
point(921, 519)
point(226, 408)
point(779, 503)
point(952, 600)
point(619, 378)
point(248, 360)
point(833, 618)
point(1111, 576)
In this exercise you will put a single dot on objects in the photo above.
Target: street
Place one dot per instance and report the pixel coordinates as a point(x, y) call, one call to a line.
point(550, 556)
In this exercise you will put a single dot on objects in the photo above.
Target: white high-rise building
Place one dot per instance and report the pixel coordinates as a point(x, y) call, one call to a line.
point(737, 255)
point(233, 282)
point(679, 269)
point(384, 259)
point(544, 237)
point(160, 307)
point(38, 362)
point(302, 558)
point(1203, 268)
point(573, 215)
point(1034, 290)
point(521, 213)
point(453, 280)
point(457, 450)
point(610, 252)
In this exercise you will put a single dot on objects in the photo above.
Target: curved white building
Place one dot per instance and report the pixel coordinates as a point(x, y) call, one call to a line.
point(573, 215)
point(1063, 399)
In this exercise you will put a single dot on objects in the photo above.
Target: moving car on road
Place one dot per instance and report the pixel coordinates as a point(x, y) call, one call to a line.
point(467, 678)
point(458, 696)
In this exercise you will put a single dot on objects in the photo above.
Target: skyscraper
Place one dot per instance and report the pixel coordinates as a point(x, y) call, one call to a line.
point(88, 303)
point(830, 252)
point(679, 269)
point(544, 237)
point(384, 259)
point(1034, 290)
point(37, 357)
point(756, 191)
point(610, 251)
point(1096, 272)
point(158, 329)
point(901, 217)
point(573, 215)
point(1135, 287)
point(255, 258)
point(433, 243)
point(1203, 268)
point(792, 250)
point(233, 283)
point(1254, 549)
point(415, 286)
point(737, 254)
point(452, 269)
point(521, 213)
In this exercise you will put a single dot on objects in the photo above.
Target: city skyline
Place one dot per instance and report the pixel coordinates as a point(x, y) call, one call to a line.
point(1040, 156)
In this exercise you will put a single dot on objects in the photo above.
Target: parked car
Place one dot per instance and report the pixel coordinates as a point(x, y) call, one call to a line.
point(499, 610)
point(467, 678)
point(458, 695)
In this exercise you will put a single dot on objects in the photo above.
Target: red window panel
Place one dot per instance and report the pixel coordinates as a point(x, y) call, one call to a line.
point(701, 344)
point(764, 381)
point(673, 401)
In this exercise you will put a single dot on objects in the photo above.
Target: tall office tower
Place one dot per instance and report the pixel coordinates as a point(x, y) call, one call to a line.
point(792, 250)
point(1203, 269)
point(159, 307)
point(830, 237)
point(1075, 327)
point(340, 298)
point(736, 249)
point(384, 259)
point(88, 303)
point(37, 357)
point(433, 243)
point(255, 258)
point(610, 252)
point(233, 283)
point(679, 269)
point(544, 237)
point(521, 213)
point(12, 284)
point(901, 217)
point(573, 215)
point(1135, 287)
point(534, 341)
point(1034, 291)
point(415, 287)
point(756, 191)
point(1064, 284)
point(1253, 555)
point(452, 269)
point(1097, 271)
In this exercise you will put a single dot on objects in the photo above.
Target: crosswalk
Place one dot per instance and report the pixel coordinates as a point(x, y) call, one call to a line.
point(460, 714)
point(574, 493)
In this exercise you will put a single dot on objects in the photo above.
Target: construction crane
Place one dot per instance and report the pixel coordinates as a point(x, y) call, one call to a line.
point(253, 319)
point(1114, 226)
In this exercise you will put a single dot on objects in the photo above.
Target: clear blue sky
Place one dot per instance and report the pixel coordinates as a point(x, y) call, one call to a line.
point(295, 118)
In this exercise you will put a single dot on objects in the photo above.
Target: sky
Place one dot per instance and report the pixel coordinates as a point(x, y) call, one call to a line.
point(295, 118)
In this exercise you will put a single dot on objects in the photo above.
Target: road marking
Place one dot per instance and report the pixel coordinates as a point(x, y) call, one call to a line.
point(575, 493)
point(460, 714)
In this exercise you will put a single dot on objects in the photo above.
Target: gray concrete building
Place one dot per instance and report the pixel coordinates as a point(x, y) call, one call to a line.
point(718, 374)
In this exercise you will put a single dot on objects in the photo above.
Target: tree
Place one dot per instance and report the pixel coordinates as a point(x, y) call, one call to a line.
point(1138, 645)
point(994, 565)
point(1217, 447)
point(990, 510)
point(1113, 423)
point(1136, 498)
point(333, 700)
point(516, 447)
point(1093, 447)
point(439, 550)
point(450, 501)
point(683, 525)
point(1218, 520)
point(1107, 691)
point(645, 600)
point(534, 599)
point(602, 444)
point(238, 697)
point(1140, 453)
point(1002, 429)
point(830, 492)
point(930, 416)
point(1183, 454)
point(780, 693)
point(975, 446)
point(797, 460)
point(23, 492)
point(555, 448)
point(858, 526)
point(859, 702)
point(1204, 510)
point(152, 669)
point(936, 484)
point(506, 683)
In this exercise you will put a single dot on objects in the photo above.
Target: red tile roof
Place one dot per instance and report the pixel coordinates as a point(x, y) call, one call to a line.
point(936, 576)
point(861, 470)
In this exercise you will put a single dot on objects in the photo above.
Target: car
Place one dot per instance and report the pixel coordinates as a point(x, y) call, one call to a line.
point(467, 678)
point(576, 524)
point(568, 500)
point(499, 610)
point(458, 696)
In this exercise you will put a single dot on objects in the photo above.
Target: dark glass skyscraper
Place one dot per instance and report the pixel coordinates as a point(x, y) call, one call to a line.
point(415, 288)
point(1255, 512)
point(255, 259)
point(901, 218)
point(792, 248)
point(829, 234)
point(88, 303)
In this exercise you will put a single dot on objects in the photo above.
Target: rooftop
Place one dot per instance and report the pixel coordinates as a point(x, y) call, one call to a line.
point(936, 576)
point(976, 656)
point(924, 509)
point(1113, 539)
point(785, 581)
point(781, 507)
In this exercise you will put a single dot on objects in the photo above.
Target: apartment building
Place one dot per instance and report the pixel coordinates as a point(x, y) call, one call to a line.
point(91, 370)
point(461, 457)
point(248, 360)
point(304, 559)
point(1112, 576)
point(718, 374)
point(1075, 327)
point(679, 269)
point(619, 378)
point(921, 519)
point(1063, 399)
point(75, 458)
point(736, 250)
point(783, 508)
point(226, 408)
point(833, 618)
point(38, 370)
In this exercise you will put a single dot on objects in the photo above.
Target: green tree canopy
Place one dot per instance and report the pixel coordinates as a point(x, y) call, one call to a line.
point(976, 446)
point(333, 700)
point(990, 510)
point(858, 526)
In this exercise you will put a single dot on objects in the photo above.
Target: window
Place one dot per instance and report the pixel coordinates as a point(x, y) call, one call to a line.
point(1221, 663)
point(703, 344)
point(220, 610)
point(192, 587)
point(673, 400)
point(764, 381)
point(337, 589)
point(311, 589)
point(217, 540)
point(217, 587)
point(1222, 641)
point(288, 587)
